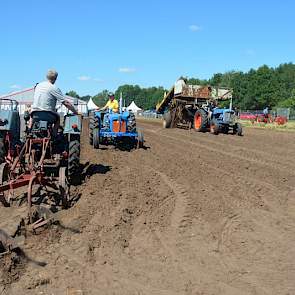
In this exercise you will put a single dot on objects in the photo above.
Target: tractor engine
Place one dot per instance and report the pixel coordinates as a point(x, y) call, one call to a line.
point(118, 122)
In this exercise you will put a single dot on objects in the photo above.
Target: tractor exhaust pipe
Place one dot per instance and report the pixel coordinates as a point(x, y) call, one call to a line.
point(120, 102)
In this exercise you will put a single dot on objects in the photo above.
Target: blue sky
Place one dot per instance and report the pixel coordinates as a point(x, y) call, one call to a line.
point(98, 45)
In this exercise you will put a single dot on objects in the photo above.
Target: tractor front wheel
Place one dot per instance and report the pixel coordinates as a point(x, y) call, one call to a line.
point(200, 121)
point(238, 130)
point(140, 140)
point(96, 138)
point(214, 128)
point(74, 155)
point(131, 123)
point(91, 126)
point(225, 129)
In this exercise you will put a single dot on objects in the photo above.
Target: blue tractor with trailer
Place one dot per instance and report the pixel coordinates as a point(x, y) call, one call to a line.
point(119, 129)
point(195, 107)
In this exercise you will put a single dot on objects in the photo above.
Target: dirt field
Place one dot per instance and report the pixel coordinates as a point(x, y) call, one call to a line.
point(192, 213)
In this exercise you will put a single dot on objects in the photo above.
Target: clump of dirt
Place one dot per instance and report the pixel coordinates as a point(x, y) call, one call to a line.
point(12, 266)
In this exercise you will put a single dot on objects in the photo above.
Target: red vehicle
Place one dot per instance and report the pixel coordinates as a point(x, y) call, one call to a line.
point(265, 118)
point(281, 120)
point(248, 116)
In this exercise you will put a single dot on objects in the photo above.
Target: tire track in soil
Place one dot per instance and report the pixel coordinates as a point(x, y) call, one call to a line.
point(232, 170)
point(255, 184)
point(179, 218)
point(229, 154)
point(226, 231)
point(189, 228)
point(272, 160)
point(256, 141)
point(235, 180)
point(252, 153)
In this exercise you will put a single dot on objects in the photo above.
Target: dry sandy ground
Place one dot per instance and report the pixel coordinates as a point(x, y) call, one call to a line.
point(192, 213)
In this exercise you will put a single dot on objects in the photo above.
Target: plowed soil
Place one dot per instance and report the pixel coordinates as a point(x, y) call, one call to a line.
point(192, 213)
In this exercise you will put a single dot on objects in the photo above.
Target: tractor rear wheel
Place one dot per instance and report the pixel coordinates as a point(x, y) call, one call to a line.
point(91, 126)
point(200, 121)
point(2, 150)
point(167, 120)
point(131, 123)
point(74, 155)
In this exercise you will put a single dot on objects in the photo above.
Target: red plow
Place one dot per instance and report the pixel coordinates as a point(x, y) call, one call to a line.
point(44, 166)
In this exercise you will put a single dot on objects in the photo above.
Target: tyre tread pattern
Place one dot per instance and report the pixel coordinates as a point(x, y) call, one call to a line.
point(74, 156)
point(131, 124)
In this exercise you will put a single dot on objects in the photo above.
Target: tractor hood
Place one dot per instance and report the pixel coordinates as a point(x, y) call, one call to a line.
point(222, 111)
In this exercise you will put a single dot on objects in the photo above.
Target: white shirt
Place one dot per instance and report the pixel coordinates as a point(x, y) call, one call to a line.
point(46, 96)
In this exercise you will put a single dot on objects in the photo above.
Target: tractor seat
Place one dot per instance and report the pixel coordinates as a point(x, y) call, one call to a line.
point(47, 116)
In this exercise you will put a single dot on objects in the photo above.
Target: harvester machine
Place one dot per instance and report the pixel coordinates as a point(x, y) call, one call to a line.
point(196, 107)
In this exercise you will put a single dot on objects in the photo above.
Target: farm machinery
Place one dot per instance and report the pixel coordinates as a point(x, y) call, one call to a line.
point(196, 107)
point(46, 163)
point(119, 129)
point(9, 129)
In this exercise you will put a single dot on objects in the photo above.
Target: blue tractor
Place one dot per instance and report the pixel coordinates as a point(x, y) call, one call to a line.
point(117, 129)
point(218, 120)
point(9, 129)
point(224, 121)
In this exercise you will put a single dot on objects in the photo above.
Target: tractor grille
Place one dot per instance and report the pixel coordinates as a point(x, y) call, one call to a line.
point(227, 117)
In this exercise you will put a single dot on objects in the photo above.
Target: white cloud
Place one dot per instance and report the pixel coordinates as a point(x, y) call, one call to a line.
point(194, 28)
point(84, 78)
point(15, 86)
point(127, 70)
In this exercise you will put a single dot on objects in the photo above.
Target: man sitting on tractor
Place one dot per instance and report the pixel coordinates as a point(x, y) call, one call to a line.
point(45, 98)
point(112, 104)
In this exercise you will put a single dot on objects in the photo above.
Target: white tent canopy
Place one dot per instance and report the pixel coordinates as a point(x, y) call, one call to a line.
point(25, 99)
point(133, 107)
point(91, 105)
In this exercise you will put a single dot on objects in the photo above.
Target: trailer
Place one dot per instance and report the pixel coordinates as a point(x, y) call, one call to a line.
point(196, 107)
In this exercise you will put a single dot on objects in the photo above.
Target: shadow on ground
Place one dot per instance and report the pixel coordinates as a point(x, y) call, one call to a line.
point(87, 170)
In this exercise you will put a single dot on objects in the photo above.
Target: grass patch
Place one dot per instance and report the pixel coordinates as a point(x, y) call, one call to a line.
point(289, 126)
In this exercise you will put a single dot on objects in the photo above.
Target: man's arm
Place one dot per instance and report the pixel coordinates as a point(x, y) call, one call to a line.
point(68, 105)
point(105, 107)
point(60, 98)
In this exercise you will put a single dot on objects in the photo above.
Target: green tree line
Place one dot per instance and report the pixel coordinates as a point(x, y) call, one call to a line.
point(255, 89)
